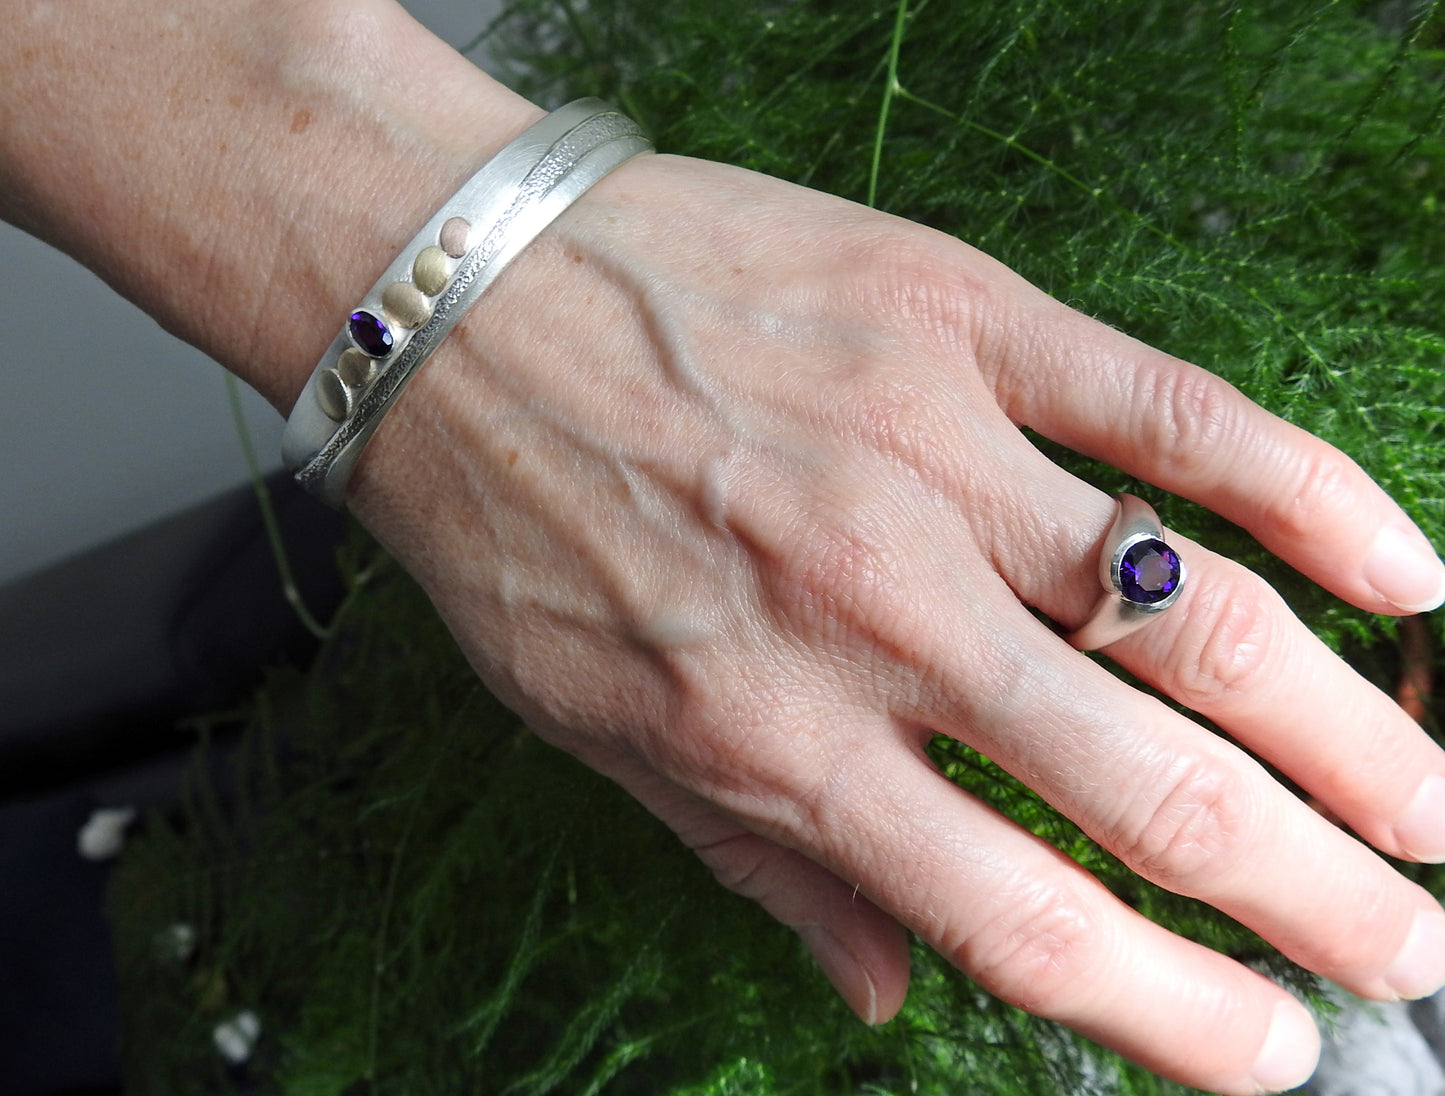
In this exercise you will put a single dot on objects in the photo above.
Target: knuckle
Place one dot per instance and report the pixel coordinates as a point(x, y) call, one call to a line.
point(729, 748)
point(1037, 952)
point(839, 571)
point(1191, 415)
point(1185, 833)
point(910, 418)
point(916, 278)
point(752, 753)
point(837, 577)
point(739, 862)
point(900, 421)
point(1228, 642)
point(1323, 490)
point(1348, 946)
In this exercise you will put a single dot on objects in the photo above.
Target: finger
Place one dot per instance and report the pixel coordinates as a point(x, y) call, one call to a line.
point(1237, 655)
point(1193, 813)
point(860, 949)
point(863, 951)
point(1192, 434)
point(1231, 650)
point(1033, 928)
point(1023, 920)
point(958, 654)
point(1183, 808)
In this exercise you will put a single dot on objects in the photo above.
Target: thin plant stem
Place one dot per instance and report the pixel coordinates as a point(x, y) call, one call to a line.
point(289, 587)
point(891, 88)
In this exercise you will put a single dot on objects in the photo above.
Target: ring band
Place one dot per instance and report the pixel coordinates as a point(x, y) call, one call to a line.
point(1141, 576)
point(427, 288)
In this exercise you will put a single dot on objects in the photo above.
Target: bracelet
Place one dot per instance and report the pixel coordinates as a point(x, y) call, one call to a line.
point(431, 283)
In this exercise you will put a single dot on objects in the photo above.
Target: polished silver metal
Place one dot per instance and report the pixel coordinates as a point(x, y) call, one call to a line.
point(507, 203)
point(1115, 616)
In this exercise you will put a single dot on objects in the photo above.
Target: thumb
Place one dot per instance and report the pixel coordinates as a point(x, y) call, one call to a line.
point(862, 950)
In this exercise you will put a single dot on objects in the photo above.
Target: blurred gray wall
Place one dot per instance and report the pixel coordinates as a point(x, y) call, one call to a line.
point(106, 422)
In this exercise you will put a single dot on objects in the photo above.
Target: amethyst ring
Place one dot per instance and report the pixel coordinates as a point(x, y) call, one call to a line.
point(1141, 576)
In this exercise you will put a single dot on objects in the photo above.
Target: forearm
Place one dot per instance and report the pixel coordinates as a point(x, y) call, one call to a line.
point(241, 170)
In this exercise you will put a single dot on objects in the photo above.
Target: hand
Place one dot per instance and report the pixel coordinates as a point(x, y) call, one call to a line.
point(722, 487)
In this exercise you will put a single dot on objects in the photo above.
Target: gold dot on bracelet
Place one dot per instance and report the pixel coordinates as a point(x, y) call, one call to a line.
point(454, 237)
point(431, 270)
point(406, 304)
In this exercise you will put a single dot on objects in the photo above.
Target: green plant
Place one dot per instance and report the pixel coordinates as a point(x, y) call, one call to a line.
point(418, 897)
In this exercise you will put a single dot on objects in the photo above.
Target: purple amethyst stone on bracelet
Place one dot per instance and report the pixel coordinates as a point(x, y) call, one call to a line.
point(1149, 572)
point(370, 334)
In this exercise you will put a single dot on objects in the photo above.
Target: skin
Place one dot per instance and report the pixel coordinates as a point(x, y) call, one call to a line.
point(721, 486)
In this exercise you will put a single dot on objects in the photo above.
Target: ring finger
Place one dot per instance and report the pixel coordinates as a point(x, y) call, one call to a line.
point(1193, 813)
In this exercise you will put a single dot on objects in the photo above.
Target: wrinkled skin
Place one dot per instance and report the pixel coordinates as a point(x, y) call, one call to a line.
point(744, 515)
point(722, 487)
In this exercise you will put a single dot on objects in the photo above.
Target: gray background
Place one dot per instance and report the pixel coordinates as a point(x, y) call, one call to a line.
point(107, 422)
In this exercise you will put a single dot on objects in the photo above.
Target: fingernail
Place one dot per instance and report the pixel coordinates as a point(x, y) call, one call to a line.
point(1291, 1049)
point(1421, 828)
point(1419, 968)
point(849, 977)
point(1405, 571)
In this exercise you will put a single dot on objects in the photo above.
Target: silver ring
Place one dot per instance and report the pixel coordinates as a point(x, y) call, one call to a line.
point(1141, 575)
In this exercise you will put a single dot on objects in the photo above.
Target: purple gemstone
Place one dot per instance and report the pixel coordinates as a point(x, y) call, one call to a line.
point(370, 335)
point(1149, 572)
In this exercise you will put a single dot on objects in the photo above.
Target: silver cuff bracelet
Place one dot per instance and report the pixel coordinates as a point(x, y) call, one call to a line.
point(431, 283)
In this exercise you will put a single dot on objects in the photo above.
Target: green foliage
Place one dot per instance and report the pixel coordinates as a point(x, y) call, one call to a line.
point(417, 897)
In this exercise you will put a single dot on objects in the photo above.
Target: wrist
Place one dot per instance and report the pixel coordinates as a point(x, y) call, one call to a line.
point(430, 285)
point(243, 172)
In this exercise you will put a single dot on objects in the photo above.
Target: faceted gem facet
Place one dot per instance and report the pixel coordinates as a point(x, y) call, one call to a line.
point(1149, 572)
point(370, 334)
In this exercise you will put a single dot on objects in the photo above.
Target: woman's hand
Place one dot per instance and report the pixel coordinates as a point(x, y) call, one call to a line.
point(722, 486)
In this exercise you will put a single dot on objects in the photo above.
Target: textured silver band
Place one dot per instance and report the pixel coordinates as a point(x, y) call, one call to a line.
point(1141, 576)
point(466, 243)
